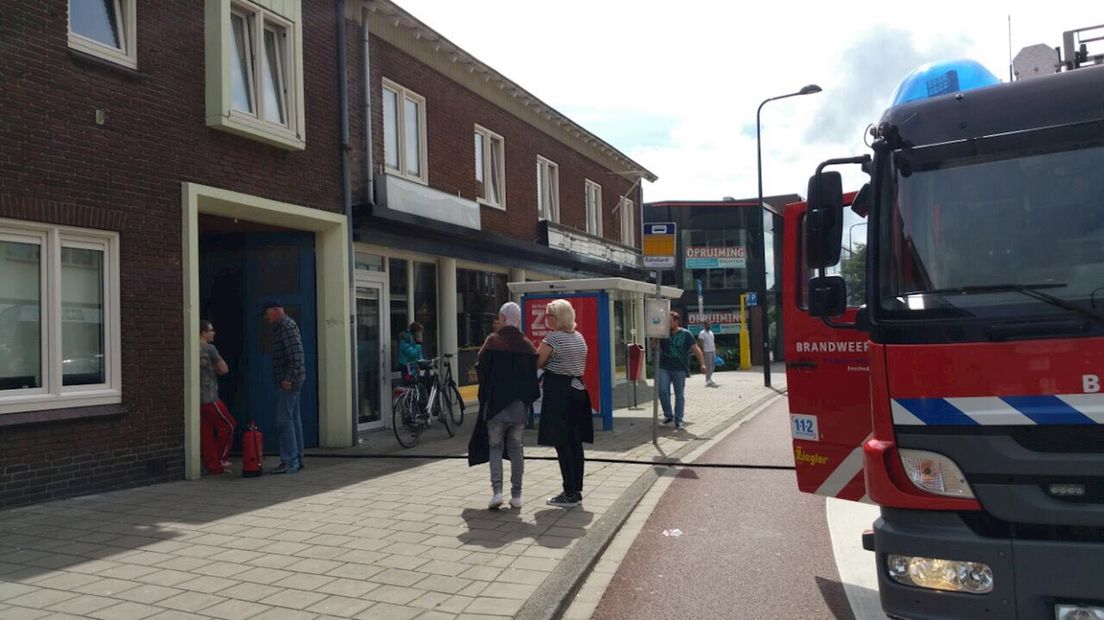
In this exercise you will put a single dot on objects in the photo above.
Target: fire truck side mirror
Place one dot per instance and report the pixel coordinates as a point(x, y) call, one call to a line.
point(824, 222)
point(827, 296)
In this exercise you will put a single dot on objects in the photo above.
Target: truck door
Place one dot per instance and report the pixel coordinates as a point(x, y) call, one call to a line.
point(827, 372)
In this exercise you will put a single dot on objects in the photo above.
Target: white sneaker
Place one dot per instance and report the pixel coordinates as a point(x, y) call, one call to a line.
point(515, 502)
point(496, 501)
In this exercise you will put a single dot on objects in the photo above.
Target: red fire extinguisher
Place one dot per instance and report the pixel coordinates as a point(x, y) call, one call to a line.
point(252, 452)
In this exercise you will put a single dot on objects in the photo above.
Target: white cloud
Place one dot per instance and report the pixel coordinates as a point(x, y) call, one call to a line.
point(691, 75)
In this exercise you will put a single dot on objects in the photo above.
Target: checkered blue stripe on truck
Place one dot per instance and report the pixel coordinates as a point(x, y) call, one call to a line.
point(1065, 409)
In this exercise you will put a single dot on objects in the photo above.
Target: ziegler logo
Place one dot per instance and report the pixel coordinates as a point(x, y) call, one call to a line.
point(810, 458)
point(1090, 383)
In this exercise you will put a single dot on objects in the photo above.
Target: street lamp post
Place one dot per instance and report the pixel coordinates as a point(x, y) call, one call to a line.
point(850, 241)
point(763, 301)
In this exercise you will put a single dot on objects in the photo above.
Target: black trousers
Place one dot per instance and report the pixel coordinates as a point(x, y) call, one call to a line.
point(570, 452)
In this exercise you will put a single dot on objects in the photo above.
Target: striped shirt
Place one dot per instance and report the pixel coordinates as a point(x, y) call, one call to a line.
point(569, 352)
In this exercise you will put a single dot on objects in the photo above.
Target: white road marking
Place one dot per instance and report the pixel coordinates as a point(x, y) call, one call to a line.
point(846, 522)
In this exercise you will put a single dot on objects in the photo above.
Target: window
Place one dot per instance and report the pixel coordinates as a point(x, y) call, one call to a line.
point(490, 168)
point(716, 256)
point(59, 333)
point(548, 190)
point(479, 294)
point(254, 71)
point(593, 208)
point(628, 222)
point(105, 28)
point(404, 132)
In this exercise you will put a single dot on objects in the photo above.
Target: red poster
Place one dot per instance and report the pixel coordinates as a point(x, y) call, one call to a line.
point(539, 324)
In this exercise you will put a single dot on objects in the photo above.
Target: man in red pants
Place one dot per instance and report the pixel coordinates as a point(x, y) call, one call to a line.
point(216, 425)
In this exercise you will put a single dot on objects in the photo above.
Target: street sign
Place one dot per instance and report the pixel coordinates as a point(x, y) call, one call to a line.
point(658, 245)
point(752, 299)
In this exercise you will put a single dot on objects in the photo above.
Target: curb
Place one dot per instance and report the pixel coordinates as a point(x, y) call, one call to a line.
point(552, 598)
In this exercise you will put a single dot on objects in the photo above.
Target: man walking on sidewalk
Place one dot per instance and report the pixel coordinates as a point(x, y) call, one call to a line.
point(709, 348)
point(674, 367)
point(289, 370)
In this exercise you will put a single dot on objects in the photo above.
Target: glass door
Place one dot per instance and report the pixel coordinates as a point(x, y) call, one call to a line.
point(373, 355)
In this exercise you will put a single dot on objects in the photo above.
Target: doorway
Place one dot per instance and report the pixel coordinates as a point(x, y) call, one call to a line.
point(373, 337)
point(240, 266)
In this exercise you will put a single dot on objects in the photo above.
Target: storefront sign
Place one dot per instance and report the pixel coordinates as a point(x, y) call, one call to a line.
point(721, 322)
point(706, 257)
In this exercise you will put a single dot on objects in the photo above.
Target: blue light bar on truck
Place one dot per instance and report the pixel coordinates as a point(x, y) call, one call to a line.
point(942, 78)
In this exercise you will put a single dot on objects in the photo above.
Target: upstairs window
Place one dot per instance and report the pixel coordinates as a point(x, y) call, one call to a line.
point(490, 168)
point(258, 66)
point(254, 61)
point(628, 222)
point(593, 208)
point(105, 28)
point(404, 132)
point(548, 190)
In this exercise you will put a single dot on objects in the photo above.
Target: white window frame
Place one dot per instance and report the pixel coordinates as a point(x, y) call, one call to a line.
point(628, 221)
point(221, 112)
point(593, 208)
point(259, 22)
point(52, 394)
point(126, 11)
point(483, 168)
point(548, 190)
point(402, 95)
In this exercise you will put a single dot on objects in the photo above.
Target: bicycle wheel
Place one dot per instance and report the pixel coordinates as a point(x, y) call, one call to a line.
point(444, 412)
point(456, 403)
point(404, 421)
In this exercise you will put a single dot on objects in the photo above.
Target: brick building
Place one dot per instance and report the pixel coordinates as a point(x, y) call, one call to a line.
point(170, 161)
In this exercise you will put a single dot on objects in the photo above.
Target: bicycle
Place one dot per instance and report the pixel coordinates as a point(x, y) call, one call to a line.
point(417, 403)
point(453, 399)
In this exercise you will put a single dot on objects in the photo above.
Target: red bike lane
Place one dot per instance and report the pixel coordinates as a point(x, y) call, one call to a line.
point(749, 545)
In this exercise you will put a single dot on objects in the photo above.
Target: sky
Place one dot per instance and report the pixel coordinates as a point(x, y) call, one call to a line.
point(675, 86)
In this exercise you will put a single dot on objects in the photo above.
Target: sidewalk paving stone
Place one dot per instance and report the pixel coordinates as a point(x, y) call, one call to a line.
point(392, 537)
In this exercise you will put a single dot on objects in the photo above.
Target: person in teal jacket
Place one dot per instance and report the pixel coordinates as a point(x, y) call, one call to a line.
point(410, 347)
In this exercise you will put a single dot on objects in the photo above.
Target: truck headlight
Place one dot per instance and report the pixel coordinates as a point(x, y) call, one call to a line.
point(935, 473)
point(937, 574)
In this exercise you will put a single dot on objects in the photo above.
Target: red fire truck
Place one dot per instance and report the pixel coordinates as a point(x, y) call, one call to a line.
point(960, 387)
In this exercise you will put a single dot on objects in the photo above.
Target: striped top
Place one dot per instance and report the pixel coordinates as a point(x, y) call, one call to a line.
point(569, 352)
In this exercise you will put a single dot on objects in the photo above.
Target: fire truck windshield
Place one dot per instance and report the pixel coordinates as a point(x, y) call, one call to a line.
point(972, 229)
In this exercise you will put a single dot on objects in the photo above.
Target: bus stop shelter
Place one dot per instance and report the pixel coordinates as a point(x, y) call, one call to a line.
point(609, 313)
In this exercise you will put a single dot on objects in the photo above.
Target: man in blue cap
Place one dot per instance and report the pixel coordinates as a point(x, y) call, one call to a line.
point(289, 370)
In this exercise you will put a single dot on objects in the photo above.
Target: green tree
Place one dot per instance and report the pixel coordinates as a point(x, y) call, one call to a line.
point(854, 273)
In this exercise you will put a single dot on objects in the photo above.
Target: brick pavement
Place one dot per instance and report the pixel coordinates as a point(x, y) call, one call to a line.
point(345, 538)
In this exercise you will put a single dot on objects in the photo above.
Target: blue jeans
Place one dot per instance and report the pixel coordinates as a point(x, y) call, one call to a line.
point(289, 426)
point(677, 378)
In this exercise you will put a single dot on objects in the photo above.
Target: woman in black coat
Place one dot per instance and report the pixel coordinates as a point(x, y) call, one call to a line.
point(565, 421)
point(507, 369)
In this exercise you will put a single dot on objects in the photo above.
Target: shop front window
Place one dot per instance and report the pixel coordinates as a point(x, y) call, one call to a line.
point(717, 257)
point(425, 305)
point(480, 295)
point(400, 296)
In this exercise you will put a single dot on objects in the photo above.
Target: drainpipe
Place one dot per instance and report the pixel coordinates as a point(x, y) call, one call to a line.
point(347, 200)
point(368, 189)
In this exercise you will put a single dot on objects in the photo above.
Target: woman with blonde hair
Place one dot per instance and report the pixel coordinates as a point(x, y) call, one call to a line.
point(565, 420)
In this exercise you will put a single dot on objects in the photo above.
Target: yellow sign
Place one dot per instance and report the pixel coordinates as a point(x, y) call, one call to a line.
point(659, 245)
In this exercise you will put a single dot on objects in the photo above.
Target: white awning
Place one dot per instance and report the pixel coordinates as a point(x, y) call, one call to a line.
point(626, 287)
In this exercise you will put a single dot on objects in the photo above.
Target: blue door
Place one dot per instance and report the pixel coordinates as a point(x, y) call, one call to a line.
point(279, 266)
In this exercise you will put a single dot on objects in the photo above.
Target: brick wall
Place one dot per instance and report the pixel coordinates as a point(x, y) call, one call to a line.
point(58, 166)
point(452, 111)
